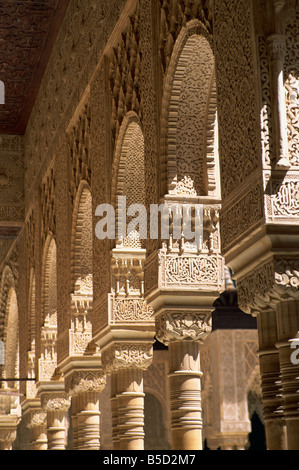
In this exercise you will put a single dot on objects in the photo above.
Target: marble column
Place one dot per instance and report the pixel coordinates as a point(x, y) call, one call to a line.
point(288, 327)
point(185, 395)
point(130, 409)
point(126, 362)
point(184, 333)
point(114, 410)
point(7, 438)
point(37, 424)
point(85, 387)
point(275, 426)
point(56, 404)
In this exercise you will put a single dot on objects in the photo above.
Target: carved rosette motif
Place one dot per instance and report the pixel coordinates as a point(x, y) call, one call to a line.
point(127, 356)
point(174, 326)
point(85, 381)
point(275, 280)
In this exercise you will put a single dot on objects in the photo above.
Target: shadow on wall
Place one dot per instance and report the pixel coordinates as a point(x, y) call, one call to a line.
point(155, 432)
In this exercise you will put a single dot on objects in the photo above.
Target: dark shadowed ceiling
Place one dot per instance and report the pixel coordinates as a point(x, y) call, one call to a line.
point(28, 29)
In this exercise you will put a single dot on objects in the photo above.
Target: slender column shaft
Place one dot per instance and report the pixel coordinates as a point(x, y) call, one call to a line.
point(185, 395)
point(88, 421)
point(38, 438)
point(131, 409)
point(288, 327)
point(114, 410)
point(56, 429)
point(7, 438)
point(36, 423)
point(75, 408)
point(275, 425)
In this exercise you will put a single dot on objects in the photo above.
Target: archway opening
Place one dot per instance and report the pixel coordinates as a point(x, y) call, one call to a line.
point(192, 130)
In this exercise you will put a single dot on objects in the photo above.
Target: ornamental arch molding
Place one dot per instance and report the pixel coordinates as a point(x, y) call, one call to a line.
point(128, 172)
point(32, 310)
point(189, 131)
point(11, 369)
point(48, 359)
point(9, 333)
point(80, 333)
point(30, 387)
point(81, 251)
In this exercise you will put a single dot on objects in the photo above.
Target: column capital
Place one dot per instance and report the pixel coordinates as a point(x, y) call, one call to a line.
point(172, 326)
point(85, 381)
point(36, 418)
point(55, 401)
point(127, 355)
point(273, 281)
point(276, 46)
point(7, 437)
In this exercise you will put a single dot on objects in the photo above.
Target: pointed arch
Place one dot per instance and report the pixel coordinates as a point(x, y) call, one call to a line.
point(189, 151)
point(9, 322)
point(47, 361)
point(31, 310)
point(81, 248)
point(128, 172)
point(49, 284)
point(12, 338)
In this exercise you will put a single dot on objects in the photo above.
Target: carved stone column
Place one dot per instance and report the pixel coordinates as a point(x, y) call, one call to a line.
point(114, 410)
point(7, 438)
point(259, 219)
point(9, 420)
point(184, 333)
point(131, 409)
point(275, 426)
point(126, 342)
point(36, 421)
point(182, 280)
point(126, 362)
point(275, 284)
point(85, 386)
point(56, 404)
point(288, 327)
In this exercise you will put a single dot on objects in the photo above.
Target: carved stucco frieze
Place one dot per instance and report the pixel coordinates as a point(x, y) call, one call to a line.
point(11, 179)
point(282, 197)
point(85, 381)
point(291, 83)
point(173, 326)
point(275, 280)
point(127, 355)
point(190, 271)
point(129, 310)
point(243, 216)
point(238, 114)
